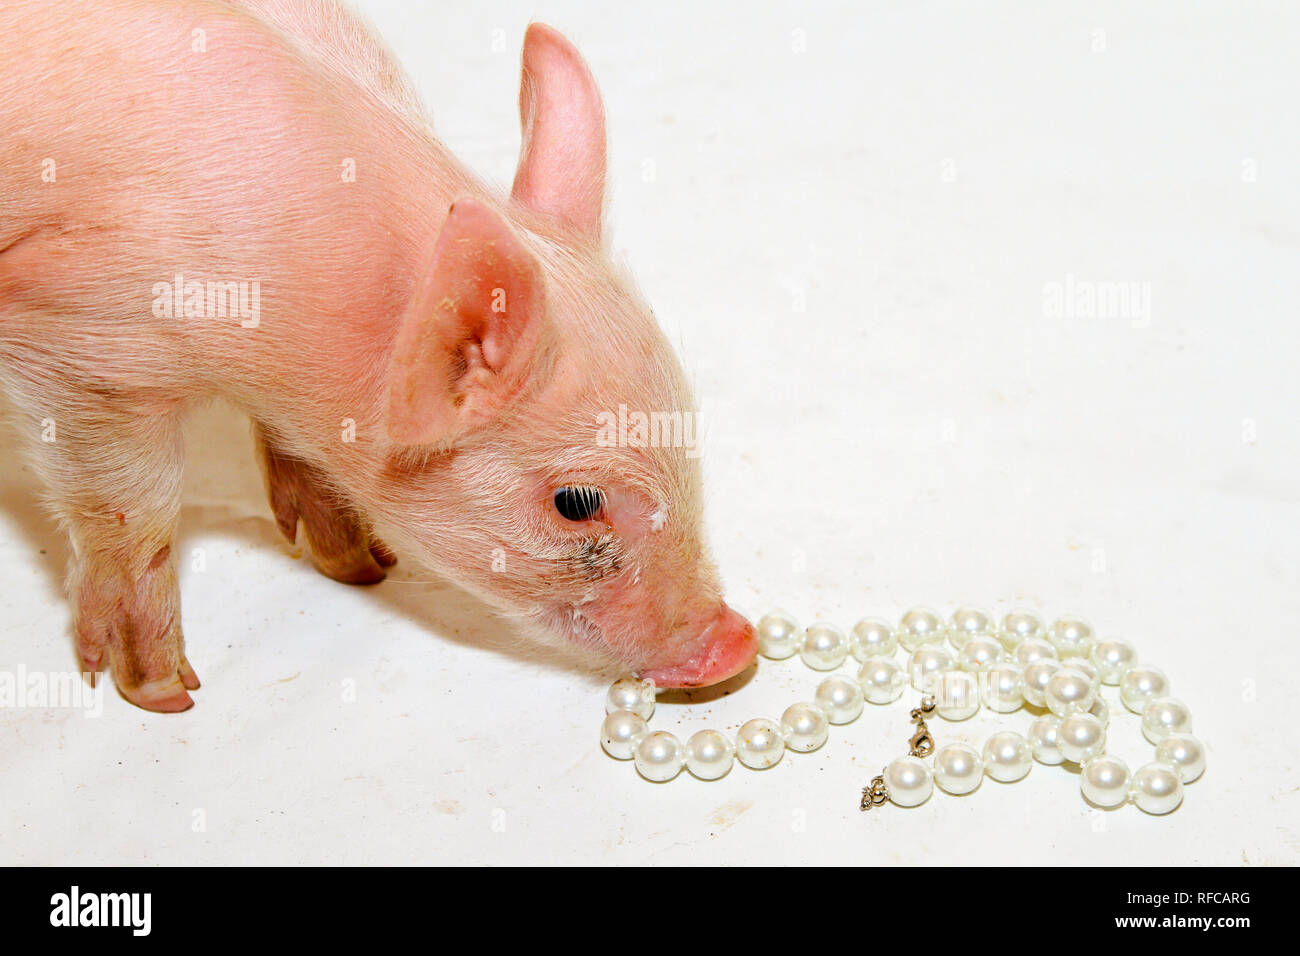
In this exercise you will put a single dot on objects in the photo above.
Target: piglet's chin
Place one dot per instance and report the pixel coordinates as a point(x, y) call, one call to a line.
point(725, 647)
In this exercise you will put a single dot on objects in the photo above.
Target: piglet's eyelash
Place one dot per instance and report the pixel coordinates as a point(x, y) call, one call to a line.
point(579, 502)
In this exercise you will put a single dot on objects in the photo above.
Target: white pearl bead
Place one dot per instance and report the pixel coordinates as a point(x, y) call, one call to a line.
point(1140, 685)
point(1165, 716)
point(760, 743)
point(980, 653)
point(1071, 636)
point(926, 664)
point(1032, 649)
point(965, 623)
point(1045, 740)
point(957, 695)
point(638, 696)
point(778, 635)
point(1156, 788)
point(1007, 757)
point(909, 781)
point(804, 727)
point(872, 637)
point(840, 698)
point(958, 769)
point(1081, 737)
point(882, 680)
point(1112, 658)
point(920, 626)
point(621, 732)
point(824, 647)
point(1105, 781)
point(1184, 753)
point(709, 754)
point(1068, 691)
point(1036, 676)
point(659, 756)
point(1018, 626)
point(1003, 688)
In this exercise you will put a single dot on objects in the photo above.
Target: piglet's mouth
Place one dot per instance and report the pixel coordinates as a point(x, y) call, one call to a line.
point(722, 649)
point(726, 647)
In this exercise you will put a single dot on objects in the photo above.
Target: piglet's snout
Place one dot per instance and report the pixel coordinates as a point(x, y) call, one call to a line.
point(724, 646)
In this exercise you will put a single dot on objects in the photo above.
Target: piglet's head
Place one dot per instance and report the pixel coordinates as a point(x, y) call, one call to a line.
point(523, 377)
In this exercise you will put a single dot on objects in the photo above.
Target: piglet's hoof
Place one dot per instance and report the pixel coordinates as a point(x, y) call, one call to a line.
point(169, 695)
point(360, 564)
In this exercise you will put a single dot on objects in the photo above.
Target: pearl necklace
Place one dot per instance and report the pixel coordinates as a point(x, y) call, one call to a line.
point(1058, 670)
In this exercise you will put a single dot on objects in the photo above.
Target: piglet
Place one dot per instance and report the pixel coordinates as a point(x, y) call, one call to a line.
point(246, 200)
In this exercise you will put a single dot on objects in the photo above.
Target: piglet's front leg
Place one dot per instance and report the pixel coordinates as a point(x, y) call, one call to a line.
point(338, 537)
point(115, 481)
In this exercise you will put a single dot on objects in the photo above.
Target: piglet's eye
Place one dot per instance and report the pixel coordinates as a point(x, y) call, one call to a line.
point(578, 502)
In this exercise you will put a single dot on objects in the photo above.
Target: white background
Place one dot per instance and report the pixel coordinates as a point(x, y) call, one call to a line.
point(850, 245)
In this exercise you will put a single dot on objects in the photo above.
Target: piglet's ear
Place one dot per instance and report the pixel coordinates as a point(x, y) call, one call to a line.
point(562, 160)
point(471, 332)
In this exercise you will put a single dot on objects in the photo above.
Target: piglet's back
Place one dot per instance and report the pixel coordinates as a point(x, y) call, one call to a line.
point(142, 141)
